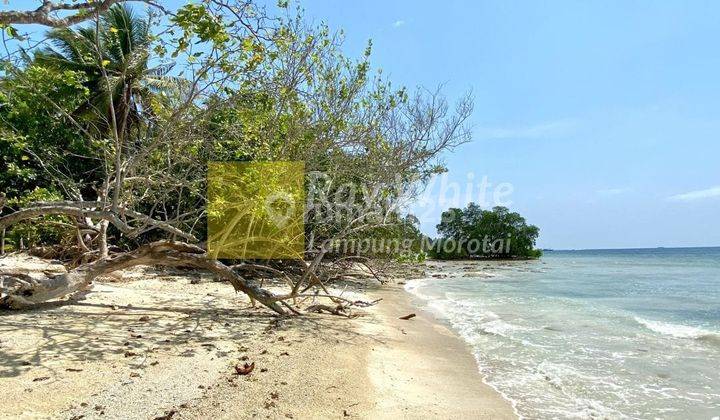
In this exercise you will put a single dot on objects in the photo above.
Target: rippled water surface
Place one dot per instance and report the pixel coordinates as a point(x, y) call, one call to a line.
point(587, 334)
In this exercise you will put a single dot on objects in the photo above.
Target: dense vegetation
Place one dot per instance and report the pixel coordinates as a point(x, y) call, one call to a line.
point(476, 233)
point(107, 129)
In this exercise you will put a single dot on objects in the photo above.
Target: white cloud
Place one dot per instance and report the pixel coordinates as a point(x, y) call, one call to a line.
point(697, 195)
point(545, 130)
point(398, 23)
point(613, 191)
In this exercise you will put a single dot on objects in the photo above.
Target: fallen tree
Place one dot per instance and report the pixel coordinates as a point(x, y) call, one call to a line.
point(23, 290)
point(132, 142)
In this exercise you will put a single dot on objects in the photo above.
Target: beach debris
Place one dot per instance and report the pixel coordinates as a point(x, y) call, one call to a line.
point(245, 369)
point(41, 378)
point(73, 370)
point(144, 318)
point(408, 316)
point(320, 308)
point(167, 416)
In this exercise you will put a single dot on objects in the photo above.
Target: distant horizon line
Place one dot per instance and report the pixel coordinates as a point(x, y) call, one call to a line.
point(629, 249)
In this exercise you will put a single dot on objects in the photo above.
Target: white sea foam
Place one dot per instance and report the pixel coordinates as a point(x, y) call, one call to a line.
point(470, 318)
point(500, 327)
point(412, 285)
point(679, 331)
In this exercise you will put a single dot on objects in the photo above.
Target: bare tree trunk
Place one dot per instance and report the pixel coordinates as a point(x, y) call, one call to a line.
point(2, 243)
point(102, 239)
point(22, 290)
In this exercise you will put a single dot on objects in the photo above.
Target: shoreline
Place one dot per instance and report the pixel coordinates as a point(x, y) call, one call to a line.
point(156, 343)
point(425, 356)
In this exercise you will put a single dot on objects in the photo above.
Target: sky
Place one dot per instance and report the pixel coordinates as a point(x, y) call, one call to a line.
point(596, 120)
point(602, 116)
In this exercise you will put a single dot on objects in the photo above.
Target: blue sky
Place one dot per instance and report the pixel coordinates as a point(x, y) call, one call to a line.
point(603, 115)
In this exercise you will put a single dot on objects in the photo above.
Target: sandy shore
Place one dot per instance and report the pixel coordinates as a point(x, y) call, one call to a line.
point(155, 344)
point(421, 369)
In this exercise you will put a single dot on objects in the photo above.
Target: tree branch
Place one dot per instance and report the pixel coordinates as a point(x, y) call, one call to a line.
point(46, 14)
point(80, 210)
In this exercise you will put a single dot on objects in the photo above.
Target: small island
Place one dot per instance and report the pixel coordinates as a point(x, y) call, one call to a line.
point(472, 233)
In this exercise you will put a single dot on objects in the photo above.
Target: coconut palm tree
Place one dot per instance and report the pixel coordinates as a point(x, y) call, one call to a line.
point(114, 56)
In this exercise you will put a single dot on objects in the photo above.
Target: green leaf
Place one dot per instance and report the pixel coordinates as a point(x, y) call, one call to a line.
point(11, 32)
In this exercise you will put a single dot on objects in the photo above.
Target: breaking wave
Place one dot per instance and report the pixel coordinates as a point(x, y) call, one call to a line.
point(680, 331)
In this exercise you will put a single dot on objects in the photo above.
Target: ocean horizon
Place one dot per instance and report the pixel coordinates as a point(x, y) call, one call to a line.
point(611, 333)
point(629, 249)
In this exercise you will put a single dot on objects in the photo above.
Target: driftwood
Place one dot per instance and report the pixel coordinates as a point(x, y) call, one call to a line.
point(320, 308)
point(24, 290)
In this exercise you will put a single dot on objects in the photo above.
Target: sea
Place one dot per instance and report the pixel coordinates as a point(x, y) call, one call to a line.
point(631, 333)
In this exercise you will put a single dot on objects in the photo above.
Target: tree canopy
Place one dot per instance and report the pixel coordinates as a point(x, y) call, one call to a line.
point(474, 232)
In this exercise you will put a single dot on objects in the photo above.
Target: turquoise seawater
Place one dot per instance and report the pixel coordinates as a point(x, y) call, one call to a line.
point(591, 334)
